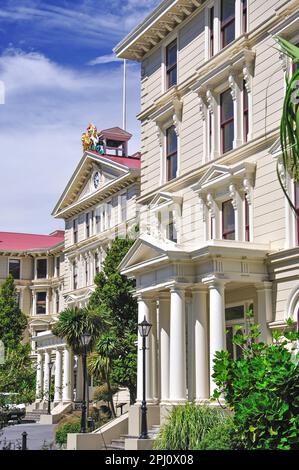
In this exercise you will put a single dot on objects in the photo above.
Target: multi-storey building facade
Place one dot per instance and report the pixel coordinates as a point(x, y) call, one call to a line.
point(217, 234)
point(97, 205)
point(36, 262)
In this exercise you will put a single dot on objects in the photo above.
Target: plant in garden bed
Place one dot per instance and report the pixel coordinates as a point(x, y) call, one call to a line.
point(188, 425)
point(262, 388)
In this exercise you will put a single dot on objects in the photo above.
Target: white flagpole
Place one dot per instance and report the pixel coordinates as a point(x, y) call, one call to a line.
point(125, 96)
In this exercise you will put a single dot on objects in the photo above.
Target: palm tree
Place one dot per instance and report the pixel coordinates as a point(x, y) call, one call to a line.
point(289, 125)
point(73, 322)
point(100, 363)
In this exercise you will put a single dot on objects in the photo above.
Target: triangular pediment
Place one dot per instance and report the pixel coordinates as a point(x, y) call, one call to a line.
point(214, 172)
point(143, 251)
point(163, 199)
point(275, 149)
point(93, 173)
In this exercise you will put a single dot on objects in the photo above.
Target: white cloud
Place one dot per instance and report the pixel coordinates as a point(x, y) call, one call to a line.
point(104, 59)
point(47, 108)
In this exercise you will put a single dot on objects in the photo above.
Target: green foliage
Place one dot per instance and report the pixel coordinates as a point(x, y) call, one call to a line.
point(289, 124)
point(101, 393)
point(17, 374)
point(12, 321)
point(75, 321)
point(187, 426)
point(262, 389)
point(220, 437)
point(70, 424)
point(113, 301)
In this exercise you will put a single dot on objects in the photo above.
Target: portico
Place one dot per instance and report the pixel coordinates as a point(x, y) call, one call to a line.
point(65, 367)
point(202, 292)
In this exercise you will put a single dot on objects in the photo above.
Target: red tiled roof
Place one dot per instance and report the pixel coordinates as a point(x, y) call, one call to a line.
point(126, 161)
point(27, 241)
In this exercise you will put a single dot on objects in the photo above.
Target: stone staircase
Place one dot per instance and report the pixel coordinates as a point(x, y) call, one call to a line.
point(119, 444)
point(33, 416)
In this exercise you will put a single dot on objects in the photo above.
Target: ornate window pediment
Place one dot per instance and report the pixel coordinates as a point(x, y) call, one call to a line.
point(163, 200)
point(218, 176)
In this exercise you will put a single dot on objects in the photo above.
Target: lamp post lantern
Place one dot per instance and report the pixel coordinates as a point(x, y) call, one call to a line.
point(144, 329)
point(85, 340)
point(50, 365)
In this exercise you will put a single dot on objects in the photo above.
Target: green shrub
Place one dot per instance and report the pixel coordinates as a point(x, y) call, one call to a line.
point(262, 389)
point(220, 437)
point(187, 425)
point(70, 424)
point(101, 393)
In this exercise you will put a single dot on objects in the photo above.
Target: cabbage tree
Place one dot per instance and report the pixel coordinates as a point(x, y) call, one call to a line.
point(289, 125)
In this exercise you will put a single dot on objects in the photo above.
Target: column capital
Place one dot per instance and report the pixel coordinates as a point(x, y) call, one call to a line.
point(264, 285)
point(215, 282)
point(179, 288)
point(199, 288)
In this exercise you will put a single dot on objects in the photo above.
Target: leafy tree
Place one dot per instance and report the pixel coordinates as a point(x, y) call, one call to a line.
point(75, 321)
point(12, 321)
point(114, 302)
point(289, 124)
point(100, 364)
point(262, 389)
point(17, 374)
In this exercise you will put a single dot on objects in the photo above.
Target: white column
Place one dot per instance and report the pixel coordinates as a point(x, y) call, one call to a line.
point(153, 352)
point(67, 394)
point(264, 309)
point(217, 26)
point(46, 374)
point(200, 317)
point(177, 380)
point(238, 18)
point(217, 324)
point(39, 376)
point(190, 350)
point(164, 327)
point(144, 311)
point(236, 93)
point(58, 376)
point(79, 384)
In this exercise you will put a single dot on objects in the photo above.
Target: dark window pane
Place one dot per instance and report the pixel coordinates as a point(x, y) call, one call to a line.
point(227, 21)
point(172, 167)
point(227, 9)
point(15, 268)
point(171, 64)
point(41, 298)
point(228, 34)
point(228, 137)
point(227, 106)
point(228, 220)
point(41, 268)
point(172, 54)
point(172, 142)
point(234, 313)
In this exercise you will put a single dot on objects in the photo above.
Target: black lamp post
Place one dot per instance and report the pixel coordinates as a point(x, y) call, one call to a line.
point(85, 340)
point(144, 329)
point(50, 365)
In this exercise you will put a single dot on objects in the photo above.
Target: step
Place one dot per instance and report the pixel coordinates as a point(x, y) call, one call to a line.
point(112, 447)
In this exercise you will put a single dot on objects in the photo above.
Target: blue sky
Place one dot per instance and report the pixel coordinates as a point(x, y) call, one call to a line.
point(59, 74)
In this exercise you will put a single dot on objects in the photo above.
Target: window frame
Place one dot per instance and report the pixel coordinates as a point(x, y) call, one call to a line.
point(211, 17)
point(246, 219)
point(75, 231)
point(87, 224)
point(36, 268)
point(225, 123)
point(228, 232)
point(20, 264)
point(225, 23)
point(39, 303)
point(75, 275)
point(244, 12)
point(172, 155)
point(170, 68)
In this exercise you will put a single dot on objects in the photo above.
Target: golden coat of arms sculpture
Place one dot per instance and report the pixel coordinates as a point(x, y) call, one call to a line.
point(90, 140)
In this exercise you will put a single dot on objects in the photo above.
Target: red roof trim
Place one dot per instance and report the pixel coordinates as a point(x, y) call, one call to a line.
point(11, 241)
point(130, 162)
